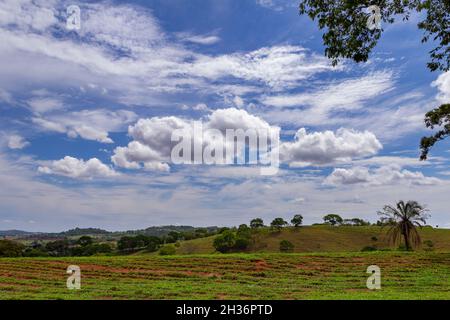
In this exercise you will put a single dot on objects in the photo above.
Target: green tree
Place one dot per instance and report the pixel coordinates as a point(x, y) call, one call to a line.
point(297, 220)
point(406, 217)
point(278, 223)
point(85, 241)
point(167, 250)
point(225, 241)
point(243, 237)
point(286, 246)
point(347, 35)
point(333, 219)
point(58, 248)
point(10, 248)
point(244, 229)
point(125, 243)
point(174, 236)
point(356, 222)
point(439, 117)
point(256, 223)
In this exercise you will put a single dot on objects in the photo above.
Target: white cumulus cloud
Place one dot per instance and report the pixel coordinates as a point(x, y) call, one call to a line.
point(78, 168)
point(328, 147)
point(386, 175)
point(17, 142)
point(152, 146)
point(87, 124)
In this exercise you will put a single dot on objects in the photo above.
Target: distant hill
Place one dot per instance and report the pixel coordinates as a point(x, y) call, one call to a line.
point(158, 231)
point(83, 231)
point(320, 238)
point(164, 230)
point(15, 233)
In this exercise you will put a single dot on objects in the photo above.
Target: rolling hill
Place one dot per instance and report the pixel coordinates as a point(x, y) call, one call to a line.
point(321, 238)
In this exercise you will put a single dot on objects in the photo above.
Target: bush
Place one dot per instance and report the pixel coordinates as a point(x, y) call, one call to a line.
point(225, 241)
point(152, 246)
point(429, 245)
point(85, 241)
point(127, 243)
point(58, 248)
point(286, 246)
point(30, 252)
point(241, 243)
point(369, 248)
point(10, 248)
point(167, 250)
point(91, 249)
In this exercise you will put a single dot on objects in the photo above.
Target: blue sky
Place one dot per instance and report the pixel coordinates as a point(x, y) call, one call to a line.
point(86, 116)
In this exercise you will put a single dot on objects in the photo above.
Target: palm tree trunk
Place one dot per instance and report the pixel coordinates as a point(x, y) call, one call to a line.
point(406, 237)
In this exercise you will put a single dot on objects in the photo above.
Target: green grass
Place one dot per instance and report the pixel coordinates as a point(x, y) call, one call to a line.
point(321, 239)
point(405, 275)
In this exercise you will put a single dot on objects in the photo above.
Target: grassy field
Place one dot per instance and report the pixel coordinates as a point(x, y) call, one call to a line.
point(405, 275)
point(321, 239)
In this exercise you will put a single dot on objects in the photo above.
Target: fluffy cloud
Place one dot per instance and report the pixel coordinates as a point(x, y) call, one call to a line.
point(152, 146)
point(387, 175)
point(233, 118)
point(87, 124)
point(44, 104)
point(27, 15)
point(443, 85)
point(17, 142)
point(327, 147)
point(78, 169)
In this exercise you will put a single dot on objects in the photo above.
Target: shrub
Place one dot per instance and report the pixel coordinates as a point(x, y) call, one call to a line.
point(58, 248)
point(91, 249)
point(30, 252)
point(222, 230)
point(167, 250)
point(85, 241)
point(225, 241)
point(286, 246)
point(241, 243)
point(127, 243)
point(369, 248)
point(429, 245)
point(152, 246)
point(10, 248)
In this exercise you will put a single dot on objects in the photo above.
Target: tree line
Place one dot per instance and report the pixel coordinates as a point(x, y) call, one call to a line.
point(402, 221)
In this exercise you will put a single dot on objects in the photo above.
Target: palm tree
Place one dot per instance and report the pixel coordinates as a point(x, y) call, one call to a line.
point(403, 220)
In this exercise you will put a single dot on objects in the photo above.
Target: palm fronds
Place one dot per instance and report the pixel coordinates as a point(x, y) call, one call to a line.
point(403, 221)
